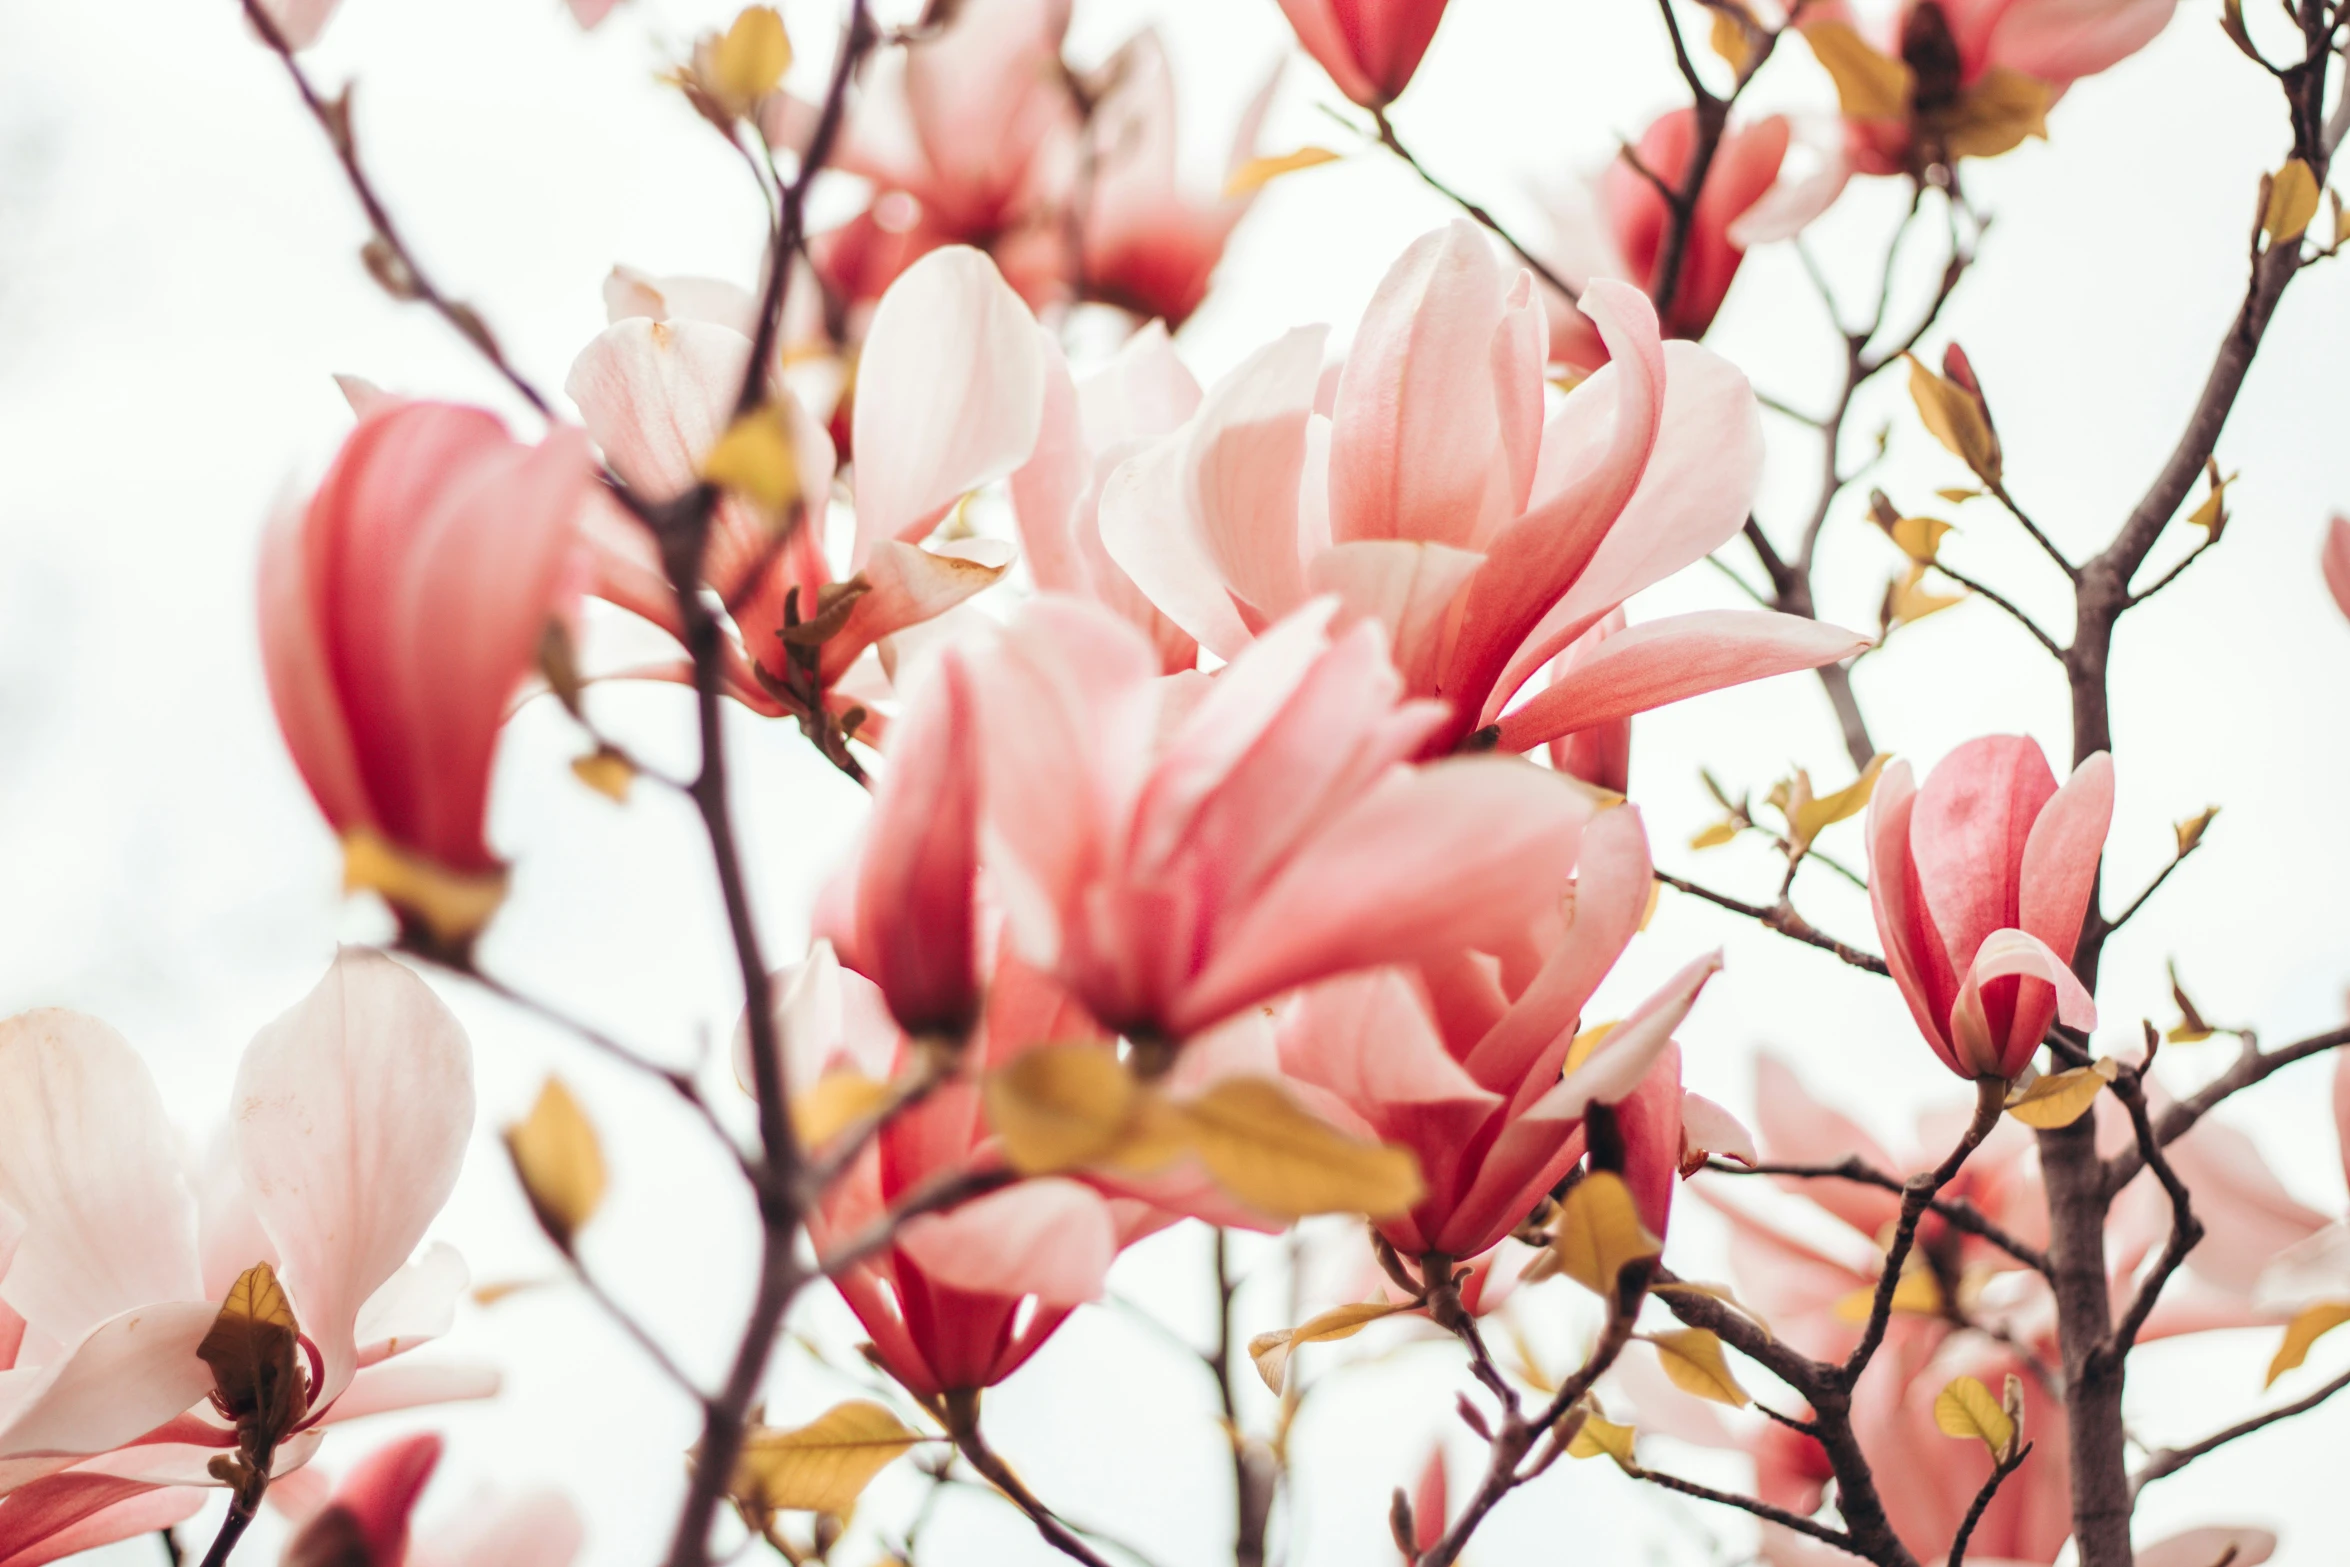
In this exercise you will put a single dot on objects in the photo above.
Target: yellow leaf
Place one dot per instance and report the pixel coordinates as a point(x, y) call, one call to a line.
point(559, 1162)
point(2314, 1323)
point(506, 1289)
point(1715, 836)
point(1998, 113)
point(839, 1101)
point(748, 62)
point(2292, 202)
point(2190, 831)
point(1270, 1352)
point(754, 459)
point(453, 905)
point(1656, 892)
point(1809, 817)
point(1917, 1295)
point(1956, 418)
point(253, 1350)
point(1597, 1436)
point(2061, 1098)
point(1692, 1357)
point(1730, 40)
point(1965, 1409)
point(606, 772)
point(1919, 537)
point(1954, 495)
point(2192, 1029)
point(824, 1466)
point(1257, 173)
point(1869, 85)
point(1061, 1106)
point(1580, 1047)
point(2212, 515)
point(1266, 1151)
point(1906, 602)
point(1599, 1233)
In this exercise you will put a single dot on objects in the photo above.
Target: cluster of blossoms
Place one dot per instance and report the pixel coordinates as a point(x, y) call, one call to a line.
point(1250, 837)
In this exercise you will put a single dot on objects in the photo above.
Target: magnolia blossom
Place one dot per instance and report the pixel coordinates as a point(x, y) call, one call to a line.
point(1435, 499)
point(1768, 179)
point(351, 1114)
point(1980, 881)
point(1979, 63)
point(2334, 560)
point(403, 606)
point(949, 393)
point(1369, 47)
point(365, 1520)
point(1460, 1058)
point(960, 1300)
point(1149, 244)
point(1175, 850)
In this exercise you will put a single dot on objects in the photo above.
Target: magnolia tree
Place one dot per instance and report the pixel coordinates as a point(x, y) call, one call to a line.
point(1248, 837)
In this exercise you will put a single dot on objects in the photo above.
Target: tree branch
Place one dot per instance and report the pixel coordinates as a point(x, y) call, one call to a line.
point(1782, 919)
point(2170, 1460)
point(1958, 1212)
point(1974, 1514)
point(1761, 1509)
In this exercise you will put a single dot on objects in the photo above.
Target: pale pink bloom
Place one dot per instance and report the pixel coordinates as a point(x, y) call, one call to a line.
point(365, 1521)
point(962, 1299)
point(1150, 243)
point(1951, 45)
point(2335, 561)
point(2290, 1271)
point(1459, 1059)
point(300, 22)
point(1369, 47)
point(66, 1514)
point(403, 606)
point(350, 1118)
point(949, 393)
point(1668, 1133)
point(1089, 428)
point(1600, 755)
point(1767, 181)
point(969, 138)
point(1431, 1505)
point(1438, 501)
point(919, 872)
point(1176, 850)
point(1980, 881)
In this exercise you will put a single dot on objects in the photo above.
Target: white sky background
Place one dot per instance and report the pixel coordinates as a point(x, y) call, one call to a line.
point(178, 280)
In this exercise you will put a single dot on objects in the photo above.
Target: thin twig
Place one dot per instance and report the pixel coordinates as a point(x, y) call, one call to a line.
point(1748, 1504)
point(2152, 887)
point(934, 1196)
point(1982, 1503)
point(652, 1347)
point(1782, 919)
point(2252, 1065)
point(1957, 1212)
point(983, 1458)
point(2170, 1460)
point(1994, 596)
point(1491, 224)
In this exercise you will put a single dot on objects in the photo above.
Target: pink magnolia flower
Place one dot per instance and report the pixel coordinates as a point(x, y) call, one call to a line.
point(2335, 561)
point(403, 606)
point(351, 1116)
point(1600, 755)
point(365, 1520)
point(961, 1299)
point(1176, 850)
point(1767, 181)
point(1437, 500)
point(1089, 428)
point(1369, 47)
point(969, 138)
point(1952, 46)
point(949, 392)
point(1980, 881)
point(1150, 244)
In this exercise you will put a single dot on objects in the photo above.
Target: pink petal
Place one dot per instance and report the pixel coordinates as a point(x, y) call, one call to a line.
point(534, 1529)
point(1049, 1238)
point(1408, 587)
point(1663, 661)
point(1649, 1121)
point(1708, 1128)
point(950, 393)
point(919, 871)
point(367, 1521)
point(1799, 1129)
point(2059, 868)
point(1324, 37)
point(89, 1170)
point(1242, 467)
point(1695, 489)
point(589, 13)
point(1418, 449)
point(909, 585)
point(656, 395)
point(415, 1305)
point(300, 22)
point(352, 1114)
point(1456, 854)
point(2006, 952)
point(2249, 1216)
point(130, 1375)
point(629, 292)
point(2060, 41)
point(67, 1514)
point(411, 1384)
point(2335, 562)
point(1623, 1059)
point(1914, 952)
point(1148, 530)
point(1814, 174)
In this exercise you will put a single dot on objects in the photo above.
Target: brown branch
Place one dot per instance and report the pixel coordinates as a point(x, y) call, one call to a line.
point(2186, 1230)
point(1782, 919)
point(2252, 1065)
point(1992, 595)
point(1748, 1504)
point(1957, 1212)
point(2170, 1460)
point(1486, 220)
point(1982, 1503)
point(1917, 1193)
point(1252, 1468)
point(963, 1425)
point(394, 265)
point(2161, 876)
point(934, 1196)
